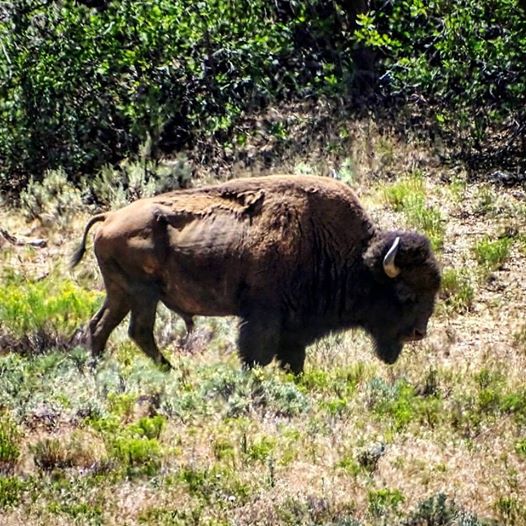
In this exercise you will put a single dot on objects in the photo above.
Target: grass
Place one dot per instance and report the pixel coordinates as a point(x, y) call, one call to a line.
point(457, 289)
point(36, 313)
point(408, 197)
point(492, 254)
point(438, 438)
point(10, 435)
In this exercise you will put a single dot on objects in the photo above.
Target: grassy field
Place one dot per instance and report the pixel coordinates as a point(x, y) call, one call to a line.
point(437, 439)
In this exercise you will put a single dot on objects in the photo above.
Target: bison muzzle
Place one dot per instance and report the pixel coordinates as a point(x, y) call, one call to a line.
point(293, 257)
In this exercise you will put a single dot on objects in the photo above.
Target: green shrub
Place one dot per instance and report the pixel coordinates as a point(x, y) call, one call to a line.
point(520, 447)
point(440, 510)
point(148, 427)
point(212, 485)
point(54, 306)
point(400, 404)
point(81, 512)
point(11, 490)
point(86, 87)
point(514, 403)
point(138, 455)
point(10, 436)
point(261, 448)
point(223, 449)
point(116, 187)
point(54, 201)
point(463, 59)
point(383, 501)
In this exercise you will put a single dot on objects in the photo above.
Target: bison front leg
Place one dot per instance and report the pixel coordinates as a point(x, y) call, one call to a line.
point(258, 339)
point(142, 321)
point(291, 355)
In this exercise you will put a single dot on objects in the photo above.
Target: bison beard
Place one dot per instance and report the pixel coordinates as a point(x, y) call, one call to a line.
point(294, 257)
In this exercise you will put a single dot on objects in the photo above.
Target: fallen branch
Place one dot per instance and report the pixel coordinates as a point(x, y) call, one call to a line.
point(23, 240)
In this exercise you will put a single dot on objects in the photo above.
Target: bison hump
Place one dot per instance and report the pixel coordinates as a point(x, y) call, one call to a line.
point(182, 209)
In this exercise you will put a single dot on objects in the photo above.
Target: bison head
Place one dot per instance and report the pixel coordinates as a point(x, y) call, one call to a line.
point(404, 281)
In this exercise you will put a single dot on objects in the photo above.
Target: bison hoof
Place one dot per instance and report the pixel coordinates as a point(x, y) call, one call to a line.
point(164, 365)
point(92, 363)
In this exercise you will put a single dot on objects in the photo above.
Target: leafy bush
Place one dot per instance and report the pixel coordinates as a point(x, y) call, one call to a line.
point(11, 489)
point(54, 201)
point(139, 455)
point(383, 500)
point(116, 187)
point(84, 87)
point(440, 510)
point(214, 484)
point(459, 66)
point(400, 404)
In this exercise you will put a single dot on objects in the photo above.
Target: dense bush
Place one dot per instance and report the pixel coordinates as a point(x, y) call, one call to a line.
point(83, 87)
point(460, 66)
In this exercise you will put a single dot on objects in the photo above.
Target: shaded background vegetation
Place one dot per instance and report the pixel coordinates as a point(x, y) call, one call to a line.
point(84, 84)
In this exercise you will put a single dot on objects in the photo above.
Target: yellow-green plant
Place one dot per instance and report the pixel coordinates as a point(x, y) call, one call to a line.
point(10, 435)
point(53, 305)
point(457, 289)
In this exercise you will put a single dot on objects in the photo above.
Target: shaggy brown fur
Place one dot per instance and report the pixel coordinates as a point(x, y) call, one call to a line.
point(293, 257)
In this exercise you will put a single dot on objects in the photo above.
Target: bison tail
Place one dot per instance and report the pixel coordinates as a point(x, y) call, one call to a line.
point(81, 248)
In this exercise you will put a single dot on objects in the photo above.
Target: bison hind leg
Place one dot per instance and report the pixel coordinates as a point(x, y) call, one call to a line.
point(258, 340)
point(291, 354)
point(142, 322)
point(113, 311)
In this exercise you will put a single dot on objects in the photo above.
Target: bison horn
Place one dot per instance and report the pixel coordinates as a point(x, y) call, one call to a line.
point(389, 265)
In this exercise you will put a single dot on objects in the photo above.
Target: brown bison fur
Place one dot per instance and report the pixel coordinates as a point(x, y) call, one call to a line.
point(293, 257)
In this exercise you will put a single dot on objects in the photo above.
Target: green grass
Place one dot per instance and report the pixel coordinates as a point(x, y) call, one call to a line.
point(492, 254)
point(220, 461)
point(405, 192)
point(10, 435)
point(351, 442)
point(408, 197)
point(457, 289)
point(384, 501)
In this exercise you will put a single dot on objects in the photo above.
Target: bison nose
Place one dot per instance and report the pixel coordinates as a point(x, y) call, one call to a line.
point(419, 334)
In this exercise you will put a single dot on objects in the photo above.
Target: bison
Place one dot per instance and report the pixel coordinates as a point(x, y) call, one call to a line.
point(293, 257)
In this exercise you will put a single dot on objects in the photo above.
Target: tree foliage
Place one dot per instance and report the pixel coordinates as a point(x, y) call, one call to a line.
point(87, 84)
point(83, 87)
point(461, 67)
